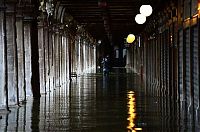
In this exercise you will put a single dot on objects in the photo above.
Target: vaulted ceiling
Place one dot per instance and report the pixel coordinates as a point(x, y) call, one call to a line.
point(112, 19)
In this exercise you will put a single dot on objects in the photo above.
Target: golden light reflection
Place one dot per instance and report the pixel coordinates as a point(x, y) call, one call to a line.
point(187, 19)
point(138, 129)
point(196, 15)
point(132, 112)
point(198, 8)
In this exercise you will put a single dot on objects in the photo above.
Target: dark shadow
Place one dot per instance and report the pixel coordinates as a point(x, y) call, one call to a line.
point(105, 81)
point(6, 126)
point(35, 115)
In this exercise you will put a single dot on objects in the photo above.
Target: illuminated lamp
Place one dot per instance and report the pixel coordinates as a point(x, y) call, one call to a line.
point(130, 38)
point(146, 10)
point(140, 19)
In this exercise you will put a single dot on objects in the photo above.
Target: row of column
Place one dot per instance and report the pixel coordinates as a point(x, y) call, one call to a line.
point(135, 57)
point(18, 56)
point(36, 57)
point(171, 63)
point(62, 53)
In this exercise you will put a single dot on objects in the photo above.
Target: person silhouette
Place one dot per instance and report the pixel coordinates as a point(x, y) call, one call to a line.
point(105, 63)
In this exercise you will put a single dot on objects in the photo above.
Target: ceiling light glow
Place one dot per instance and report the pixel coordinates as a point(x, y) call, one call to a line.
point(130, 38)
point(146, 10)
point(140, 19)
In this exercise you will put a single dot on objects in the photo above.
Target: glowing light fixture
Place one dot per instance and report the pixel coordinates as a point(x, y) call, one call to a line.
point(140, 19)
point(139, 41)
point(99, 41)
point(130, 38)
point(146, 10)
point(198, 6)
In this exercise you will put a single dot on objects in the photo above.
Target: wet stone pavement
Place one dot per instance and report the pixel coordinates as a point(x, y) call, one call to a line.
point(96, 103)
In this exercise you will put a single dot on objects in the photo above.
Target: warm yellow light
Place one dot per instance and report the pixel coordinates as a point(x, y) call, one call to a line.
point(146, 10)
point(140, 19)
point(196, 15)
point(138, 129)
point(130, 38)
point(198, 6)
point(131, 92)
point(131, 111)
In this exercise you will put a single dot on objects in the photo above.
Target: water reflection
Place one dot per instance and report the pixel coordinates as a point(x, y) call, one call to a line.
point(95, 103)
point(105, 82)
point(35, 115)
point(132, 113)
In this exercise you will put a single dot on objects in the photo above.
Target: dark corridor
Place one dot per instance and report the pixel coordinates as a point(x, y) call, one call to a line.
point(53, 52)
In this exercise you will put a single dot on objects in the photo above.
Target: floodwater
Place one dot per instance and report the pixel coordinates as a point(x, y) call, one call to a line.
point(96, 103)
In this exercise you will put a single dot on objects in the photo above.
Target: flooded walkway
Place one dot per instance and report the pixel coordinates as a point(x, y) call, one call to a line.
point(96, 103)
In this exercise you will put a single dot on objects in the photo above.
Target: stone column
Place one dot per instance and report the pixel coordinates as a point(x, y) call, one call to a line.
point(46, 56)
point(128, 58)
point(27, 47)
point(64, 60)
point(89, 57)
point(13, 94)
point(2, 43)
point(60, 57)
point(31, 52)
point(51, 71)
point(81, 54)
point(57, 59)
point(92, 57)
point(72, 52)
point(69, 57)
point(3, 56)
point(54, 57)
point(20, 55)
point(41, 53)
point(95, 58)
point(76, 54)
point(84, 55)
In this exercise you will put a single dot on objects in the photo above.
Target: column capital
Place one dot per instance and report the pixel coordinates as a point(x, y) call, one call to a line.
point(2, 5)
point(55, 29)
point(30, 13)
point(19, 11)
point(2, 8)
point(10, 7)
point(42, 20)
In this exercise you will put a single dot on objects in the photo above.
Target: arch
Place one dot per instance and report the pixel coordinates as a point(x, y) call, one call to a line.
point(62, 15)
point(56, 10)
point(59, 13)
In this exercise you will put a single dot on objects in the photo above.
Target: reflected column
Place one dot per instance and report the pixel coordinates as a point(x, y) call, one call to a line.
point(132, 112)
point(35, 115)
